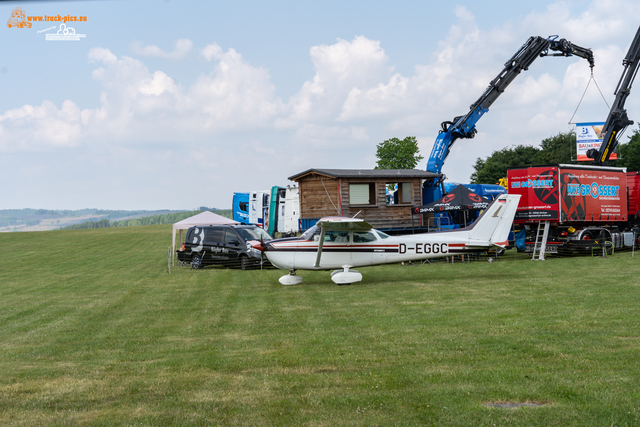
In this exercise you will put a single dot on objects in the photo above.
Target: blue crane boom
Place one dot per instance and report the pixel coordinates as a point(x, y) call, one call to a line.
point(465, 126)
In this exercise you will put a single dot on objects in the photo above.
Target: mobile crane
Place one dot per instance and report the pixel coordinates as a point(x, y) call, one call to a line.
point(465, 126)
point(617, 120)
point(581, 209)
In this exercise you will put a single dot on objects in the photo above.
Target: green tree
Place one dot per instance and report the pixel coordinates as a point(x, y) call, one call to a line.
point(629, 153)
point(556, 150)
point(494, 167)
point(398, 154)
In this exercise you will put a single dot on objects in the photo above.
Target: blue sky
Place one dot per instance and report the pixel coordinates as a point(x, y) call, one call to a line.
point(167, 104)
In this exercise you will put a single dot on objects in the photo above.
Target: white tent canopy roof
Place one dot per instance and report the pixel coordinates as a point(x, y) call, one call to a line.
point(203, 218)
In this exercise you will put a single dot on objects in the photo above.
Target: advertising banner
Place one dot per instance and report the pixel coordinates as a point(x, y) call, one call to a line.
point(588, 136)
point(538, 187)
point(562, 194)
point(593, 195)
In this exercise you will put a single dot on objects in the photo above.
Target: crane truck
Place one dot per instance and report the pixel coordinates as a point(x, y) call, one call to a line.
point(577, 209)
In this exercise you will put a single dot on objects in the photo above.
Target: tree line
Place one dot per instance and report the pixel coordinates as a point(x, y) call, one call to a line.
point(147, 220)
point(557, 149)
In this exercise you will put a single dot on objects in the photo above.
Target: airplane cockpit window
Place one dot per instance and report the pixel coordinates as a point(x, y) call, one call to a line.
point(313, 231)
point(338, 236)
point(382, 235)
point(364, 236)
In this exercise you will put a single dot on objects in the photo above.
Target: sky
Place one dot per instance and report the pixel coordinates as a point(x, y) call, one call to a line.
point(166, 104)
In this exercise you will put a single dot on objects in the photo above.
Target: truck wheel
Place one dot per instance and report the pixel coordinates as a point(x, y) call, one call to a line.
point(244, 262)
point(587, 236)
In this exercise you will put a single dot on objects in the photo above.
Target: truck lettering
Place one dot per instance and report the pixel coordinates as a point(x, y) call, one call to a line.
point(594, 190)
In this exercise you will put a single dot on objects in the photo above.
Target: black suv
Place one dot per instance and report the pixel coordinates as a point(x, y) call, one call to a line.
point(223, 245)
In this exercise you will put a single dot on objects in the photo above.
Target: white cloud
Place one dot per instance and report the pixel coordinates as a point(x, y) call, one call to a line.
point(340, 69)
point(212, 51)
point(234, 94)
point(183, 48)
point(602, 22)
point(42, 127)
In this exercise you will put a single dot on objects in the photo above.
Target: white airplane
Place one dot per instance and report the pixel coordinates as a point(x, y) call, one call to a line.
point(343, 243)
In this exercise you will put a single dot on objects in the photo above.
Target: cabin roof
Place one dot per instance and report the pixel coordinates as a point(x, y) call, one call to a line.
point(367, 173)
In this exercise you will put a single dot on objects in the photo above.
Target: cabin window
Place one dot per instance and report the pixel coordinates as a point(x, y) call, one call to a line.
point(362, 194)
point(308, 235)
point(230, 236)
point(381, 234)
point(213, 235)
point(337, 237)
point(363, 237)
point(399, 193)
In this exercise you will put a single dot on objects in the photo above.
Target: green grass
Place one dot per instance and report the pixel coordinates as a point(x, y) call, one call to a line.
point(94, 331)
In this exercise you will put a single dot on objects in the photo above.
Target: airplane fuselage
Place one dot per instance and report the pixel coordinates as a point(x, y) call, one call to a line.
point(300, 253)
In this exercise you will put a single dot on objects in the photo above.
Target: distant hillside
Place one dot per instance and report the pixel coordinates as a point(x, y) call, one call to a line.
point(49, 219)
point(147, 220)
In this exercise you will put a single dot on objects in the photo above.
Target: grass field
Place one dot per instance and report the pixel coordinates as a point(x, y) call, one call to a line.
point(95, 331)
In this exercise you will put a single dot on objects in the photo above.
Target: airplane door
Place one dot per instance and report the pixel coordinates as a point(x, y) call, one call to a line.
point(379, 256)
point(362, 247)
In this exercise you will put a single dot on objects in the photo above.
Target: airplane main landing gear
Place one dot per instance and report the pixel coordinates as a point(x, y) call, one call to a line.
point(345, 276)
point(291, 279)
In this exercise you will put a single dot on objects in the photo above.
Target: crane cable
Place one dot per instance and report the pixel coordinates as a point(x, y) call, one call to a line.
point(584, 93)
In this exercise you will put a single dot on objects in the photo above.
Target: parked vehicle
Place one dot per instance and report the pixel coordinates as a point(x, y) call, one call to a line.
point(275, 221)
point(576, 208)
point(241, 208)
point(228, 245)
point(291, 212)
point(588, 208)
point(276, 211)
point(258, 207)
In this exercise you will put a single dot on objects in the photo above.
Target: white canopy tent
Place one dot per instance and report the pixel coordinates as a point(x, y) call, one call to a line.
point(203, 218)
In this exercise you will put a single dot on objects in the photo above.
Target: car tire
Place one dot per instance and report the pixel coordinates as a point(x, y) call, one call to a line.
point(196, 261)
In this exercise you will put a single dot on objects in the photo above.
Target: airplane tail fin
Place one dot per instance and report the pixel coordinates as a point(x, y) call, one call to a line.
point(494, 224)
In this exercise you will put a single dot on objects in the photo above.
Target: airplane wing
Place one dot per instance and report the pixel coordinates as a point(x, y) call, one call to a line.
point(338, 223)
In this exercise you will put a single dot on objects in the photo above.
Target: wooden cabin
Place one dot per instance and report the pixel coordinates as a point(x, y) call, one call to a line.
point(347, 192)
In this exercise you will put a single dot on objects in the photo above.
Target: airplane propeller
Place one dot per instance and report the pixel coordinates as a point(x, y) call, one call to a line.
point(261, 252)
point(260, 247)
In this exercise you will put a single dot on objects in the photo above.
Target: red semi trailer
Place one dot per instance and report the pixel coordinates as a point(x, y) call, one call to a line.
point(575, 208)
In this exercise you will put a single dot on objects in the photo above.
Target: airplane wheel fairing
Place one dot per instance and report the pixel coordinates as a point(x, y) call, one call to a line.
point(340, 277)
point(290, 279)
